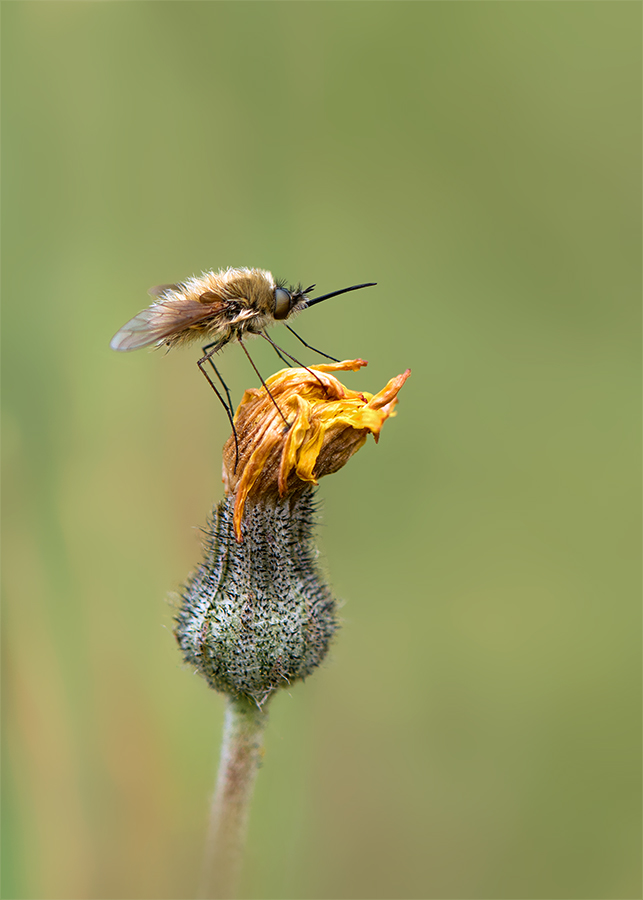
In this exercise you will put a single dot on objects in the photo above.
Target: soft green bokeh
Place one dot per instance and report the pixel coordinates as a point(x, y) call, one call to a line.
point(476, 732)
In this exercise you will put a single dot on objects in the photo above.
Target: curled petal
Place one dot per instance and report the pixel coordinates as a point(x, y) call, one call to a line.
point(327, 424)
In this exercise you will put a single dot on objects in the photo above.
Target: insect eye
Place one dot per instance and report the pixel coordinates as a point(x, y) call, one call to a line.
point(282, 303)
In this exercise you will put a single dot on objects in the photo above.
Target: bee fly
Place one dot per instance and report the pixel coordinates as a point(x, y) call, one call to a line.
point(223, 307)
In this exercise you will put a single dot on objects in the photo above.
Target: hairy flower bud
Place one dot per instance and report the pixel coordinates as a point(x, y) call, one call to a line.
point(257, 614)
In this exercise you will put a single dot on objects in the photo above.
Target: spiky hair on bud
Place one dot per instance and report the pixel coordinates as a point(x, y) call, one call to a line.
point(257, 614)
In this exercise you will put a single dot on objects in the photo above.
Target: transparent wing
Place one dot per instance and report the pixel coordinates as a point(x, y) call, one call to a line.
point(161, 321)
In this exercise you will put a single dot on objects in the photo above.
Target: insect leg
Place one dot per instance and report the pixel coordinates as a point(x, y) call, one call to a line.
point(314, 349)
point(243, 347)
point(294, 359)
point(282, 357)
point(208, 356)
point(227, 406)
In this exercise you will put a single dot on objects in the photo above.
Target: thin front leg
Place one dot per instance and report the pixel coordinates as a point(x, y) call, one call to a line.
point(314, 349)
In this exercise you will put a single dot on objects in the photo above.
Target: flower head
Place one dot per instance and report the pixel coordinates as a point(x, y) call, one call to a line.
point(257, 613)
point(327, 423)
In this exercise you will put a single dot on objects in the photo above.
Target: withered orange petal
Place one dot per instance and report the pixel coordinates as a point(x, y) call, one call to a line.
point(328, 423)
point(390, 392)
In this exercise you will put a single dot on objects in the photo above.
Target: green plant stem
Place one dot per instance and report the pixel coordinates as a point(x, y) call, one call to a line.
point(241, 754)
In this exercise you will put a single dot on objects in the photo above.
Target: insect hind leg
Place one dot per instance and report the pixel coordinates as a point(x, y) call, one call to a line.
point(209, 350)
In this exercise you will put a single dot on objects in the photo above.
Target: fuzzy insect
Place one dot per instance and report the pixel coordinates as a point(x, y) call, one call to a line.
point(218, 308)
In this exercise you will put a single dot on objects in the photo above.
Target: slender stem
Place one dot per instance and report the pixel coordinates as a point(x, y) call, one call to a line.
point(241, 754)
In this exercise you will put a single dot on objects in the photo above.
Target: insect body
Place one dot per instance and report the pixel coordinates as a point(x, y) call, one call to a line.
point(217, 308)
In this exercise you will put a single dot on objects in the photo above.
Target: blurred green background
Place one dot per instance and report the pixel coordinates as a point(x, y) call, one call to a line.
point(475, 733)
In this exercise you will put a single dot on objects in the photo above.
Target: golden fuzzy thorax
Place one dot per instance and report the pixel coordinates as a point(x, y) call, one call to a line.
point(253, 288)
point(251, 293)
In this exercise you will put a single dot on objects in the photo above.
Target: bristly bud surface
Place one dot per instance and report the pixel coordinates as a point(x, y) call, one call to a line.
point(257, 614)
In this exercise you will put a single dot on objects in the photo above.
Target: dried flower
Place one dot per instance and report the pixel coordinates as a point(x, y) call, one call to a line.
point(327, 424)
point(258, 614)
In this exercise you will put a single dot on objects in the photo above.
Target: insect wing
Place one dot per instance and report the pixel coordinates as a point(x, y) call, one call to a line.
point(161, 321)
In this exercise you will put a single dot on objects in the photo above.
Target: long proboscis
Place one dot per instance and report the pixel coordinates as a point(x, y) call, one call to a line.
point(355, 287)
